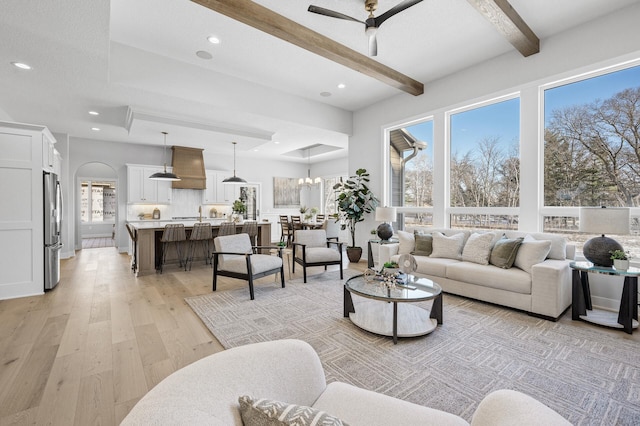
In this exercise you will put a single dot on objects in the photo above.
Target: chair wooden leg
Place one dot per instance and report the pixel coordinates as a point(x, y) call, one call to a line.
point(251, 286)
point(215, 272)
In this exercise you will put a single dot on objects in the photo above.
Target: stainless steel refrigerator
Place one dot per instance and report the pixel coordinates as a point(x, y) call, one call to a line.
point(52, 229)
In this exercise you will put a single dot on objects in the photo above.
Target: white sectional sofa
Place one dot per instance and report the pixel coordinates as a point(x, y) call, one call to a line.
point(207, 391)
point(537, 283)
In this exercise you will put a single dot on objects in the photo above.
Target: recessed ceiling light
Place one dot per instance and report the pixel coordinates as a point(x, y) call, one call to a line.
point(203, 54)
point(94, 113)
point(341, 86)
point(325, 94)
point(21, 65)
point(276, 142)
point(213, 40)
point(95, 129)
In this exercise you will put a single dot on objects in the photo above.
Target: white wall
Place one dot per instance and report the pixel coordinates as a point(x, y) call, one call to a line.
point(610, 40)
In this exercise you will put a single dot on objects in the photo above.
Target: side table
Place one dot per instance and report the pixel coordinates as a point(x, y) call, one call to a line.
point(581, 308)
point(370, 262)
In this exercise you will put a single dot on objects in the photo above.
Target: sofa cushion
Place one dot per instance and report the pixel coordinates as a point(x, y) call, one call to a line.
point(268, 412)
point(513, 279)
point(433, 266)
point(504, 252)
point(531, 252)
point(448, 247)
point(478, 248)
point(558, 249)
point(259, 263)
point(363, 407)
point(407, 242)
point(424, 245)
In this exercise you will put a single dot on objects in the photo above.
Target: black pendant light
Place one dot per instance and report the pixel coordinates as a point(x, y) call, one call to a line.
point(164, 175)
point(234, 178)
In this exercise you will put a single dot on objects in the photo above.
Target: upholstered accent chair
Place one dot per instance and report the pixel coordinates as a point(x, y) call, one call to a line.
point(235, 257)
point(312, 248)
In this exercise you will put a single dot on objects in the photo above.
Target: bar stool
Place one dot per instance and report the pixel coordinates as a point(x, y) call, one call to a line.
point(133, 234)
point(175, 234)
point(201, 234)
point(251, 227)
point(227, 228)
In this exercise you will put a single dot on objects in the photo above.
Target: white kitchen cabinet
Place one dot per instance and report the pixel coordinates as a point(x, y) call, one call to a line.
point(48, 153)
point(218, 192)
point(209, 195)
point(141, 189)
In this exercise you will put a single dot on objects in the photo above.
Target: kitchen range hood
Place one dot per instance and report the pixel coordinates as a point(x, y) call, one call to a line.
point(188, 163)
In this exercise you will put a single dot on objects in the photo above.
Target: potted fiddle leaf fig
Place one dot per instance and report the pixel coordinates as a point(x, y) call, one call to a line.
point(354, 200)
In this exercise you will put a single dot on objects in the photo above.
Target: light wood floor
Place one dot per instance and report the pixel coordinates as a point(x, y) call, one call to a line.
point(87, 351)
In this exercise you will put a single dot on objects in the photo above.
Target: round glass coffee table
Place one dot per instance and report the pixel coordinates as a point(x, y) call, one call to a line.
point(390, 312)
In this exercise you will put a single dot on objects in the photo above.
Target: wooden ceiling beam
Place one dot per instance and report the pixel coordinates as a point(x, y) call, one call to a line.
point(264, 19)
point(507, 21)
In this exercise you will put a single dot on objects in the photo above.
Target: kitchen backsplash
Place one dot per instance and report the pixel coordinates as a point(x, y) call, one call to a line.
point(184, 203)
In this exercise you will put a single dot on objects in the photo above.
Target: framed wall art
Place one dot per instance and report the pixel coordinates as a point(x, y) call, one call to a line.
point(286, 193)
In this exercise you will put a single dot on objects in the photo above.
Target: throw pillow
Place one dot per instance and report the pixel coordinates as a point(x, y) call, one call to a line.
point(424, 245)
point(531, 252)
point(504, 252)
point(478, 248)
point(406, 241)
point(267, 412)
point(447, 247)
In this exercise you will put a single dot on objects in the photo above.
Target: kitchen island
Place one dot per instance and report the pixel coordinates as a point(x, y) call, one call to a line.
point(149, 247)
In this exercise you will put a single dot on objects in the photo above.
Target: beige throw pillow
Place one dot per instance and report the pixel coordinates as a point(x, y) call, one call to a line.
point(447, 247)
point(531, 252)
point(267, 412)
point(407, 242)
point(478, 248)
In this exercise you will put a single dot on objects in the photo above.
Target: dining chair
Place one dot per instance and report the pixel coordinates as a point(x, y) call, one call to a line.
point(227, 228)
point(235, 257)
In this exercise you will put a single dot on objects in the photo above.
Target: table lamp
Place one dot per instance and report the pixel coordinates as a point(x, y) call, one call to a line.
point(603, 220)
point(386, 215)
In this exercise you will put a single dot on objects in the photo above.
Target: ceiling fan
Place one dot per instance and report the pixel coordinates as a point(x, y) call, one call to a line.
point(372, 23)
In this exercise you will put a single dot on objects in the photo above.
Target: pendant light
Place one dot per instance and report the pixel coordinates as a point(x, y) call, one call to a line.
point(308, 181)
point(234, 178)
point(164, 175)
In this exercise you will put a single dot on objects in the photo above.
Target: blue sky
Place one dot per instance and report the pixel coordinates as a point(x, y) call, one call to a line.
point(502, 119)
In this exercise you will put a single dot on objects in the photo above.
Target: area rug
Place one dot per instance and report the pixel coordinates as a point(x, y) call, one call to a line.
point(589, 375)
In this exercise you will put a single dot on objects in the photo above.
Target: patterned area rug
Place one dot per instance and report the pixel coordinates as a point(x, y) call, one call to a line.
point(589, 375)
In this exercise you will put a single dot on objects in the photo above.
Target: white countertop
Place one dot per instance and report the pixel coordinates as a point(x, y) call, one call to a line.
point(152, 224)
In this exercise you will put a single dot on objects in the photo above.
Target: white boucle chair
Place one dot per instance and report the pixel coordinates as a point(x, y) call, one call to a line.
point(207, 391)
point(235, 257)
point(312, 248)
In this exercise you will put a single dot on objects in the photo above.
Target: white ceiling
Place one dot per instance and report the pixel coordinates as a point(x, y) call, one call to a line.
point(135, 62)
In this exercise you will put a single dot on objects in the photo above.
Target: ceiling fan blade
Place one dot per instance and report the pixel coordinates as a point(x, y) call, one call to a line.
point(373, 44)
point(331, 13)
point(395, 9)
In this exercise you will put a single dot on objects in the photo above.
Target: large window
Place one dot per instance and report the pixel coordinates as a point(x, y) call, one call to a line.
point(592, 149)
point(411, 173)
point(485, 165)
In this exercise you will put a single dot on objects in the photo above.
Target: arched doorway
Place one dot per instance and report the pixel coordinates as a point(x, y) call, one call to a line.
point(96, 206)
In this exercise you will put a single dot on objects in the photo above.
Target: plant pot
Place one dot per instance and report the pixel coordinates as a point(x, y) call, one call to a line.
point(354, 254)
point(621, 265)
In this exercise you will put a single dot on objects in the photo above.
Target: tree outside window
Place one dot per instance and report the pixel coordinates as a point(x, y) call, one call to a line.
point(485, 164)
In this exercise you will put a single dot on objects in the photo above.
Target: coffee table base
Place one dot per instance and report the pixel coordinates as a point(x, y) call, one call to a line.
point(377, 317)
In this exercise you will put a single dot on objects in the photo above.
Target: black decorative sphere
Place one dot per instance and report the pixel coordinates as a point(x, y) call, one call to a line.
point(385, 231)
point(597, 249)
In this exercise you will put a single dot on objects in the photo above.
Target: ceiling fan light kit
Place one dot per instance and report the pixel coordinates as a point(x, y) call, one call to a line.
point(372, 23)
